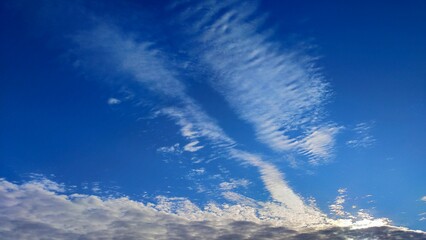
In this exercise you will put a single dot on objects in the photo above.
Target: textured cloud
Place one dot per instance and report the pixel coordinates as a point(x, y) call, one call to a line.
point(423, 198)
point(170, 149)
point(280, 92)
point(35, 211)
point(192, 146)
point(140, 59)
point(192, 119)
point(337, 207)
point(234, 183)
point(363, 137)
point(318, 144)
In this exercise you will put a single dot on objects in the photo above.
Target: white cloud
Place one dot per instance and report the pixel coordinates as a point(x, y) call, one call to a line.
point(337, 207)
point(363, 137)
point(277, 91)
point(239, 199)
point(422, 216)
point(423, 198)
point(319, 143)
point(234, 183)
point(32, 211)
point(199, 171)
point(196, 124)
point(276, 185)
point(114, 101)
point(140, 59)
point(150, 67)
point(192, 146)
point(170, 149)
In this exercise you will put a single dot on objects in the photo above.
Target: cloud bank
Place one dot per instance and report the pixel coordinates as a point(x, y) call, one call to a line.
point(39, 210)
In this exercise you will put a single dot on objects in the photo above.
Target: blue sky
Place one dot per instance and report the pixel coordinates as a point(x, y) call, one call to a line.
point(260, 104)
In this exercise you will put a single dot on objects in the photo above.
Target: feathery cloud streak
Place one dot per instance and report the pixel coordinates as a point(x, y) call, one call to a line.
point(135, 59)
point(278, 91)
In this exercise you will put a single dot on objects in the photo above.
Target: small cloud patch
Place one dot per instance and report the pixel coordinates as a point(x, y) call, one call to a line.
point(192, 146)
point(113, 101)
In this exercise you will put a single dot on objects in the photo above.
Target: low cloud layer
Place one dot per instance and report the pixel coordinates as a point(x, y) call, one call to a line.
point(40, 210)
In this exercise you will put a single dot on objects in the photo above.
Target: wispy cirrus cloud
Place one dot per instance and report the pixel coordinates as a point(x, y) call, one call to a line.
point(193, 146)
point(422, 216)
point(175, 148)
point(363, 137)
point(280, 92)
point(132, 58)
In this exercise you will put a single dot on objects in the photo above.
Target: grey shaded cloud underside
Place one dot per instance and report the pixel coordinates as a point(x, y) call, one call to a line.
point(236, 230)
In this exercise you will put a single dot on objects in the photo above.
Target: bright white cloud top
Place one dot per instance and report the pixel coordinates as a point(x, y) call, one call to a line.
point(40, 210)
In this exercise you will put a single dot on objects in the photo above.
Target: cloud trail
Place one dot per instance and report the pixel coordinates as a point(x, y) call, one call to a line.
point(195, 124)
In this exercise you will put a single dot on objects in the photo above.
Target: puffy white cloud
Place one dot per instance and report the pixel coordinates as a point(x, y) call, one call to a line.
point(337, 207)
point(35, 211)
point(423, 198)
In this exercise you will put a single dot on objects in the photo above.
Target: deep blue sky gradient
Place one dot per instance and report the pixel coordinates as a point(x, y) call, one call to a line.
point(55, 118)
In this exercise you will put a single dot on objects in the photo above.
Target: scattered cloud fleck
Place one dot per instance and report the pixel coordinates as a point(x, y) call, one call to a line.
point(199, 171)
point(113, 101)
point(337, 207)
point(192, 146)
point(363, 137)
point(170, 149)
point(234, 183)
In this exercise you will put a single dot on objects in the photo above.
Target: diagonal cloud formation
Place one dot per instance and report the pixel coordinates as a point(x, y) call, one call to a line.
point(135, 59)
point(280, 92)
